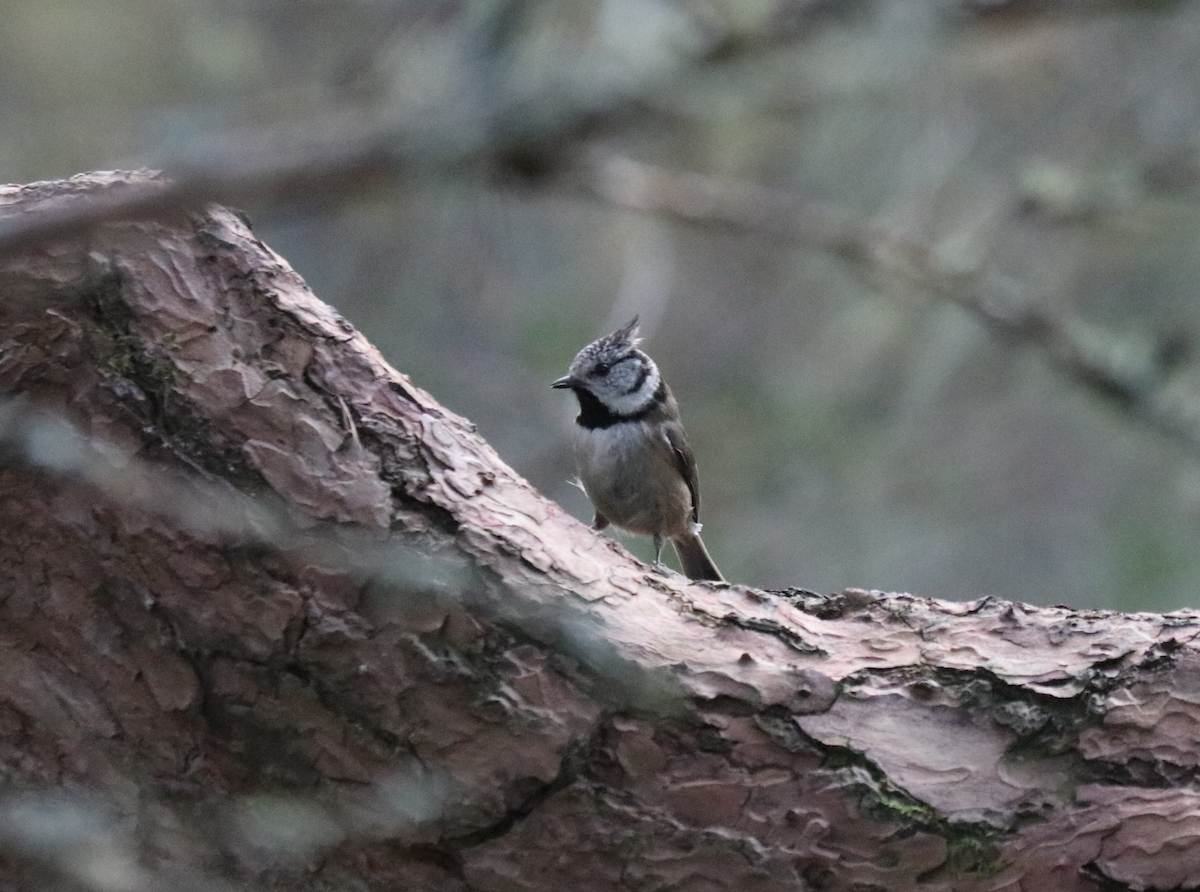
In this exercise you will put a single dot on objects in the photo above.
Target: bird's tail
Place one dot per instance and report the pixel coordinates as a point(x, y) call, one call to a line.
point(694, 557)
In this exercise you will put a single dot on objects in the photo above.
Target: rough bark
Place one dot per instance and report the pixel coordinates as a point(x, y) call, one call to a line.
point(272, 616)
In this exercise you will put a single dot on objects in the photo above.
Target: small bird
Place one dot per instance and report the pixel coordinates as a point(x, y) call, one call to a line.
point(632, 455)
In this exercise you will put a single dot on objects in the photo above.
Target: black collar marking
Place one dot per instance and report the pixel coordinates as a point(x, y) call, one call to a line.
point(594, 415)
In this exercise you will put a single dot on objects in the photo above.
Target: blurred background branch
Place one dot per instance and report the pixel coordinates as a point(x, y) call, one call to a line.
point(1137, 371)
point(490, 116)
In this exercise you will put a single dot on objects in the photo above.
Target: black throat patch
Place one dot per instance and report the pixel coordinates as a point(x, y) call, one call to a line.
point(594, 415)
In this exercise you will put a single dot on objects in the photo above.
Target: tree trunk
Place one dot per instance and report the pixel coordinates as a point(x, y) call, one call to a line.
point(274, 617)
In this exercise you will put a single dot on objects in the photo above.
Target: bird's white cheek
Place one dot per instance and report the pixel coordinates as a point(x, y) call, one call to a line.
point(632, 403)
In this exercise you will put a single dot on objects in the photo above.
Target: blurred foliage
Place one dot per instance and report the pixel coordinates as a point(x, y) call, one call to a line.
point(849, 431)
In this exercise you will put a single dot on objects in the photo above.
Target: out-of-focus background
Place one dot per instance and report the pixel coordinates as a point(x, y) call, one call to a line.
point(854, 425)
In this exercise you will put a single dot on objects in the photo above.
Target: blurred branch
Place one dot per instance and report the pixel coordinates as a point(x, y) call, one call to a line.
point(323, 160)
point(491, 122)
point(1141, 376)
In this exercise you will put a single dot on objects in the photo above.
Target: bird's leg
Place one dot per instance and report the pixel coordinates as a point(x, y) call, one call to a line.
point(658, 544)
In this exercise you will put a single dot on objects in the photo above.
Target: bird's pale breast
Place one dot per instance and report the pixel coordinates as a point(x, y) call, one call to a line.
point(629, 473)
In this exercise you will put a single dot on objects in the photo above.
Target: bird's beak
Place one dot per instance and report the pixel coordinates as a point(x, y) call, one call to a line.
point(564, 383)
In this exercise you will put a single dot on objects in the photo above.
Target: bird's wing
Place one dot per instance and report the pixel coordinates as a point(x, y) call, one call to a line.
point(685, 463)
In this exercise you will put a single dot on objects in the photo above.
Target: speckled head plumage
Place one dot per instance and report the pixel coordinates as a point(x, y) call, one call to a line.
point(620, 377)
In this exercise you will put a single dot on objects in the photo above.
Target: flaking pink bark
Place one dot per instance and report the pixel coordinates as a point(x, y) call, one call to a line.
point(255, 560)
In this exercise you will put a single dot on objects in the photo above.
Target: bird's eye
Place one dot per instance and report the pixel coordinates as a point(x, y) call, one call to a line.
point(601, 369)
